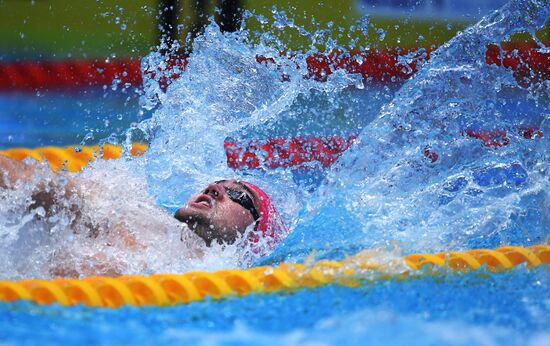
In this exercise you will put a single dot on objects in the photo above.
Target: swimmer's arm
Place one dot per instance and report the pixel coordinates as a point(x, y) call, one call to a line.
point(12, 171)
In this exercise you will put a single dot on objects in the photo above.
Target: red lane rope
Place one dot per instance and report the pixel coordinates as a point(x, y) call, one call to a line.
point(376, 65)
point(311, 151)
point(286, 152)
point(32, 75)
point(528, 62)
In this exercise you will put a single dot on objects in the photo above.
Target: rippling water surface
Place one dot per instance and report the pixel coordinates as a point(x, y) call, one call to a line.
point(416, 180)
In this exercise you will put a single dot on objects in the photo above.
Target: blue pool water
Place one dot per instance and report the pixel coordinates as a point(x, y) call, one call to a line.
point(384, 193)
point(59, 117)
point(478, 308)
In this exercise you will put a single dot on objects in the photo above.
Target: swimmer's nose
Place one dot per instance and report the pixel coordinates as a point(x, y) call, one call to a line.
point(215, 191)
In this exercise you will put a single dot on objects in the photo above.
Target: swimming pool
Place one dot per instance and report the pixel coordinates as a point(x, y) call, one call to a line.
point(478, 307)
point(59, 117)
point(483, 189)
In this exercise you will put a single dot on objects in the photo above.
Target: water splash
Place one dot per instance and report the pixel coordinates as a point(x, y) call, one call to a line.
point(417, 177)
point(421, 176)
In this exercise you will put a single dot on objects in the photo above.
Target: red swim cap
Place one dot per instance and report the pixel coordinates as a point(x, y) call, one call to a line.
point(270, 223)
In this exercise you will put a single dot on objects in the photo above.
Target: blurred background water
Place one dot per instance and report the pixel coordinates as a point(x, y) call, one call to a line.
point(58, 30)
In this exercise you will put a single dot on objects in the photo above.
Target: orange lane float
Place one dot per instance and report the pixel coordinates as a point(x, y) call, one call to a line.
point(271, 153)
point(72, 158)
point(173, 289)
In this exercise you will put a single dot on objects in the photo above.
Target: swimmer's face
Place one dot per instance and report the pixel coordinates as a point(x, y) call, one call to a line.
point(217, 212)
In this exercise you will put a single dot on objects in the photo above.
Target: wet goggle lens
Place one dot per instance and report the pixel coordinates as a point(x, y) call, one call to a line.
point(242, 198)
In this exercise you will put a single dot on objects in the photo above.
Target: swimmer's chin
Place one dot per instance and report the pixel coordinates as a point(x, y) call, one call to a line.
point(189, 213)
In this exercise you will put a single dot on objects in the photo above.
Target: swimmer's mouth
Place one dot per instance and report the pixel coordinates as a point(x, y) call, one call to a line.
point(202, 201)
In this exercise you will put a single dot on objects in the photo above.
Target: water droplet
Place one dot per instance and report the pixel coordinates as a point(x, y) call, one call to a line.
point(381, 34)
point(365, 25)
point(40, 211)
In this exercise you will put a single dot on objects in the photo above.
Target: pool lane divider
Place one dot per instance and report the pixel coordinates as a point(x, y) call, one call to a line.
point(72, 158)
point(174, 289)
point(67, 74)
point(528, 61)
point(170, 289)
point(270, 153)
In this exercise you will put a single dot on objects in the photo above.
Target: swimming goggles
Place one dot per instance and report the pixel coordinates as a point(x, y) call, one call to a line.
point(243, 199)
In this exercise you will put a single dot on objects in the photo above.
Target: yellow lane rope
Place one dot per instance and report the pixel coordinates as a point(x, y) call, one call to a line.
point(72, 158)
point(171, 289)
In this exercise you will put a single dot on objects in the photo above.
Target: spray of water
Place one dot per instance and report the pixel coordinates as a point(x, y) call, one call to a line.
point(384, 191)
point(390, 189)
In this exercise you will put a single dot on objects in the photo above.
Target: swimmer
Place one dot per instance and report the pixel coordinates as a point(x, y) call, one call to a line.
point(221, 213)
point(226, 208)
